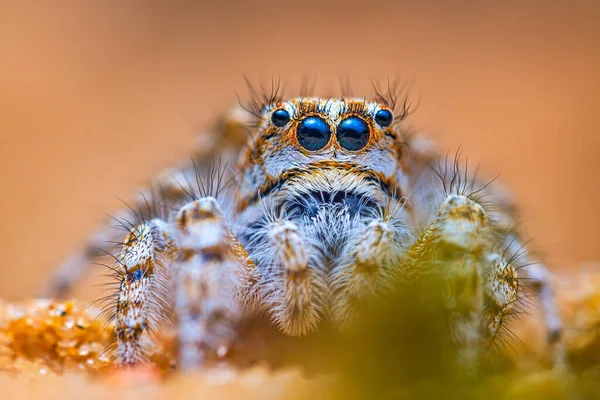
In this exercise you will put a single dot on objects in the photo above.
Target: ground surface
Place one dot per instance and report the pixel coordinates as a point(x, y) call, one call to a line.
point(55, 350)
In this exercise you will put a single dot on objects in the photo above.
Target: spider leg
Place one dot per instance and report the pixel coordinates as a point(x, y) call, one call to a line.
point(209, 271)
point(212, 277)
point(501, 293)
point(540, 278)
point(453, 249)
point(452, 177)
point(367, 264)
point(140, 306)
point(537, 276)
point(294, 288)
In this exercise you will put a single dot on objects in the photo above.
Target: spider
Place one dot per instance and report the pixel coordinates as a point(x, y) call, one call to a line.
point(335, 200)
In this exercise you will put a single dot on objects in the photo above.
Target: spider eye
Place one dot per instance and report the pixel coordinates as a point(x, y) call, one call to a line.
point(353, 133)
point(384, 118)
point(313, 133)
point(280, 117)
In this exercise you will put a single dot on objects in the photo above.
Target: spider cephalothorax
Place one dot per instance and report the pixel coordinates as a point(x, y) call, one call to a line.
point(334, 204)
point(318, 175)
point(326, 141)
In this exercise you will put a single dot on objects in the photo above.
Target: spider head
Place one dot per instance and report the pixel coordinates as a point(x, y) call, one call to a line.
point(304, 146)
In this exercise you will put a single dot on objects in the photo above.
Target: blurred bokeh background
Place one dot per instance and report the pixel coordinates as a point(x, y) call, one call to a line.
point(96, 97)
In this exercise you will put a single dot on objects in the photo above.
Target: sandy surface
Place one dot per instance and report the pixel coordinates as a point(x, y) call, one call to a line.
point(42, 355)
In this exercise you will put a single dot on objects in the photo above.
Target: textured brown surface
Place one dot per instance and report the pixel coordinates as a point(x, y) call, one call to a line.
point(39, 339)
point(96, 97)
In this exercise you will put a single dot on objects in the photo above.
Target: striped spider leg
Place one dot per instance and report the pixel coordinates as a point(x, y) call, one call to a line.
point(369, 261)
point(471, 243)
point(197, 263)
point(479, 286)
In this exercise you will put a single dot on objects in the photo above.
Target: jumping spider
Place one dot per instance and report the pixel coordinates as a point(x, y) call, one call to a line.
point(335, 199)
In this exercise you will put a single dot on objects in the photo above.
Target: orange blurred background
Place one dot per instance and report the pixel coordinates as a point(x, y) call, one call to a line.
point(95, 97)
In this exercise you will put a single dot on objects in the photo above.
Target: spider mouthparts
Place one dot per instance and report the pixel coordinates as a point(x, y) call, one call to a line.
point(310, 203)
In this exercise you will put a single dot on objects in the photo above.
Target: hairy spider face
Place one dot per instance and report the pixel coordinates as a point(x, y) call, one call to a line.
point(334, 151)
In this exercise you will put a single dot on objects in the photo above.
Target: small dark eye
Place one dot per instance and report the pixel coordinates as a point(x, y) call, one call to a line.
point(280, 117)
point(384, 118)
point(353, 133)
point(313, 133)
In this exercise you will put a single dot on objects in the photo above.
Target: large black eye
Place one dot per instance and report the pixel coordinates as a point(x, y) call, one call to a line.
point(280, 117)
point(384, 118)
point(353, 133)
point(313, 133)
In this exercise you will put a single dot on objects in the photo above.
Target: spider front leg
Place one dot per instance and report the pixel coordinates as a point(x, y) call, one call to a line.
point(212, 278)
point(368, 262)
point(454, 249)
point(210, 274)
point(293, 288)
